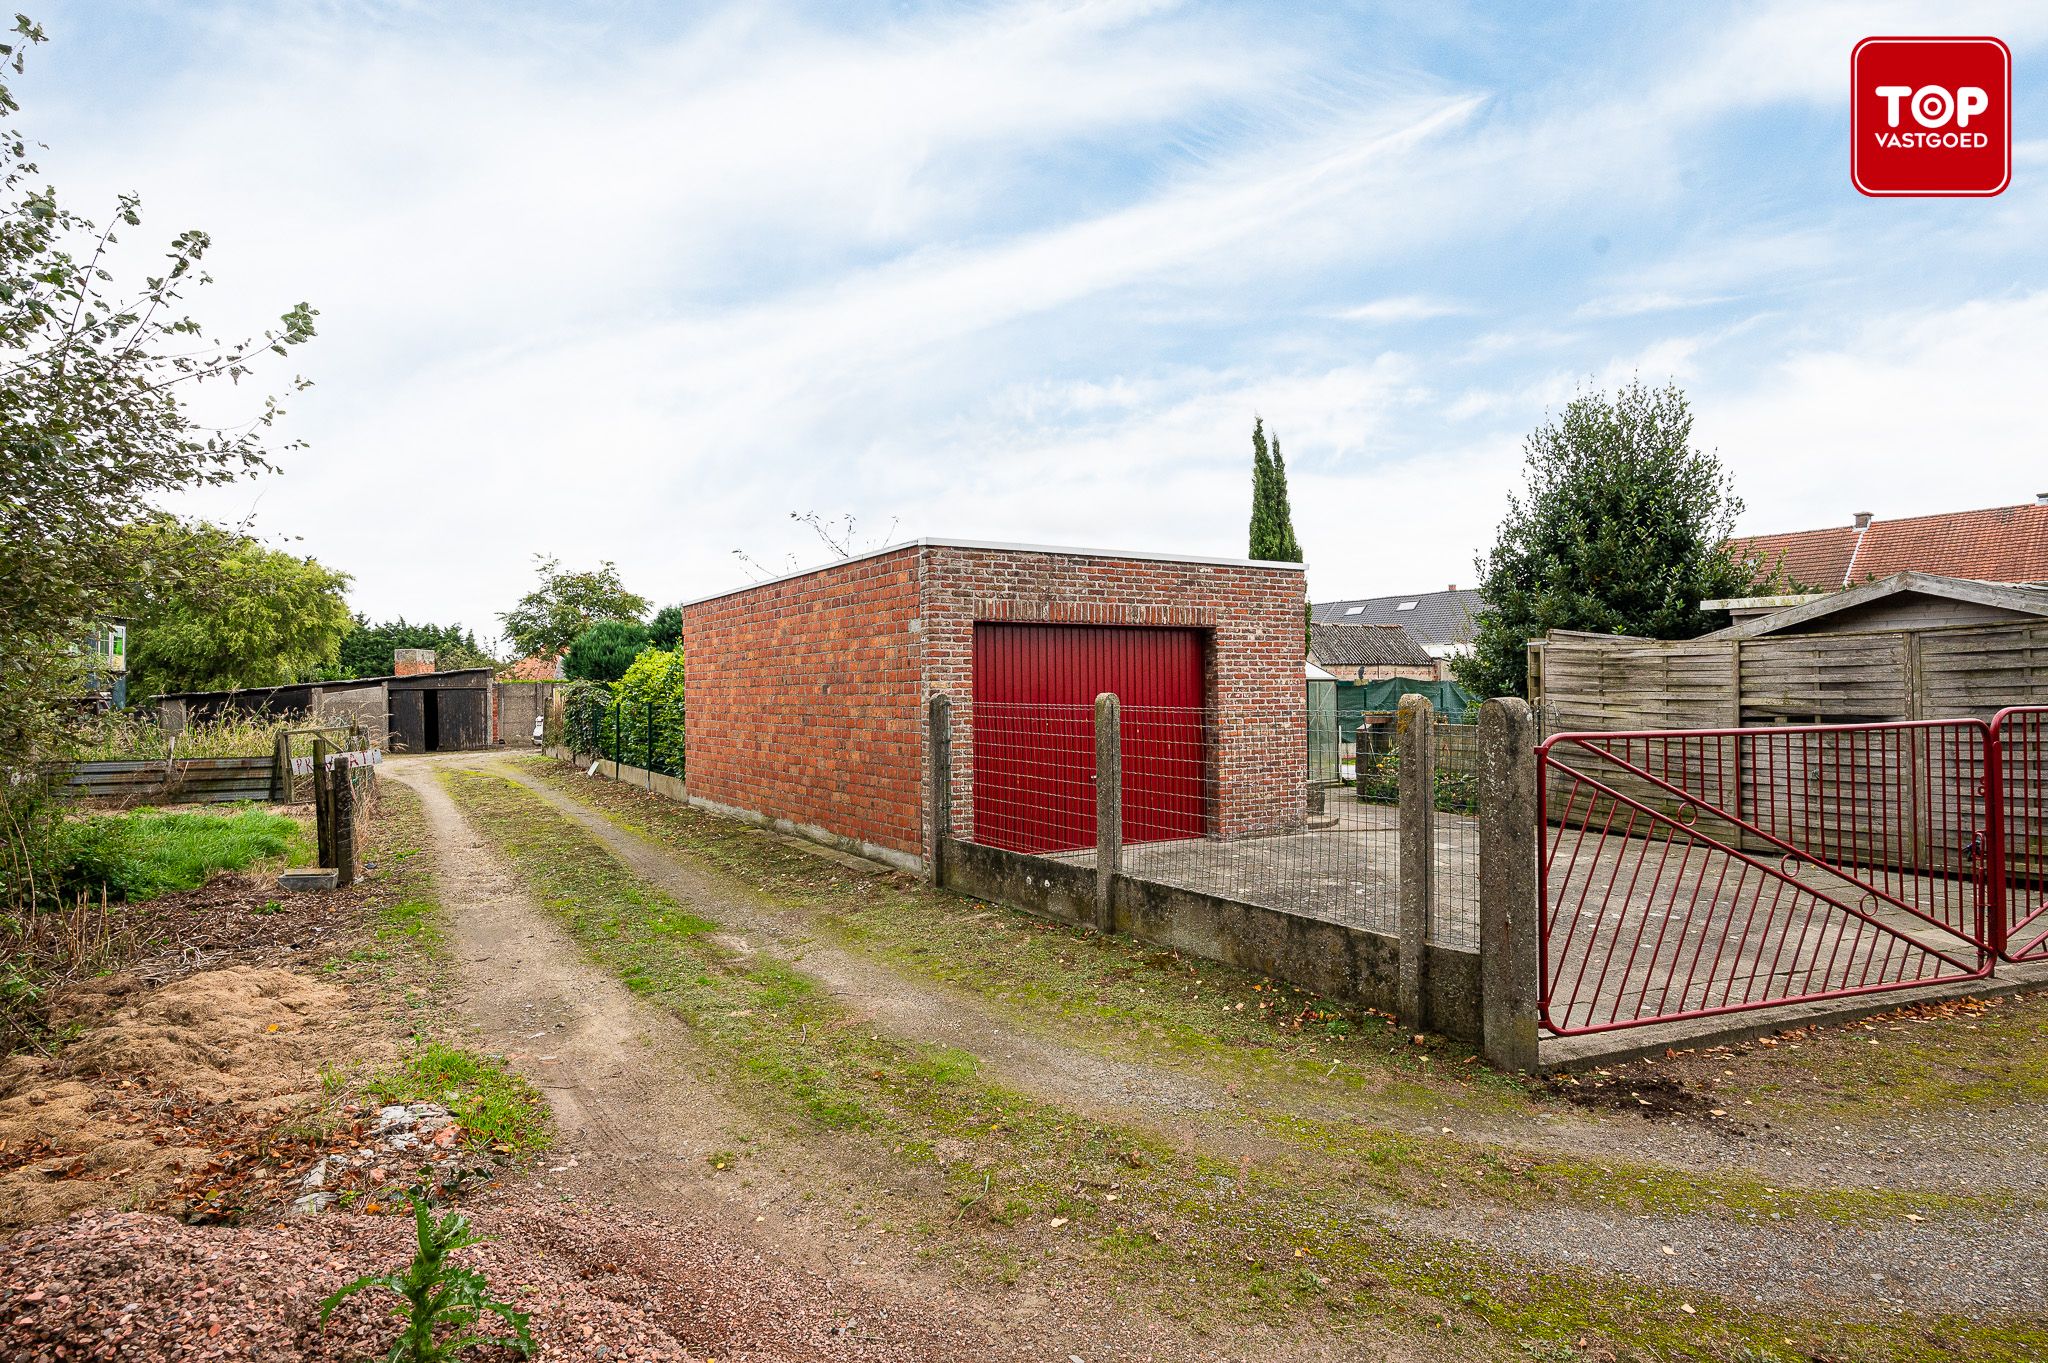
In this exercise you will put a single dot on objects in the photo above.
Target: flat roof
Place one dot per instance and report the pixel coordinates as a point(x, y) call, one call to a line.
point(1068, 550)
point(319, 685)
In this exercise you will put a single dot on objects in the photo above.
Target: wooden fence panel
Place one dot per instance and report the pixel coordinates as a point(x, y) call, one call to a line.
point(1826, 679)
point(1979, 670)
point(200, 780)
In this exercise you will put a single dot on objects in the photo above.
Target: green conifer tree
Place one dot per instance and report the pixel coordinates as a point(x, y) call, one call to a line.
point(1272, 526)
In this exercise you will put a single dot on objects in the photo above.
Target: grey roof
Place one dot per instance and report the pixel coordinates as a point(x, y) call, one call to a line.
point(1339, 645)
point(2025, 599)
point(1433, 618)
point(334, 684)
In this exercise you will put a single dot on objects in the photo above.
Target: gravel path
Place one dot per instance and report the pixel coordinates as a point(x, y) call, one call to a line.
point(616, 1286)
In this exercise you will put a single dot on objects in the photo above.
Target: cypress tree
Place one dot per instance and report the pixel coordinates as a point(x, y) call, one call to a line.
point(1272, 527)
point(1285, 547)
point(1262, 476)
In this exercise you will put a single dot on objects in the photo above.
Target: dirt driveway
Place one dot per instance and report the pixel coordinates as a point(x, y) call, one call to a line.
point(646, 1113)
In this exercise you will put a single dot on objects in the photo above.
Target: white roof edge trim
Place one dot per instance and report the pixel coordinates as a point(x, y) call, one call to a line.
point(1068, 550)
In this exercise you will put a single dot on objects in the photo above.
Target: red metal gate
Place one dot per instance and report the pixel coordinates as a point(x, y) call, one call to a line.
point(1034, 735)
point(2019, 835)
point(1693, 872)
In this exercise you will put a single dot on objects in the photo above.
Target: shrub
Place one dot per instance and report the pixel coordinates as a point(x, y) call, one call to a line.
point(1455, 791)
point(650, 712)
point(586, 717)
point(604, 651)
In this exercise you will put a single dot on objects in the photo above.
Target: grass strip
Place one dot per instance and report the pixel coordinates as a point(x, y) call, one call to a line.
point(148, 853)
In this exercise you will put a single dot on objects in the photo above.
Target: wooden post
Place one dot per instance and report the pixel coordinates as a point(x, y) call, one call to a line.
point(1109, 807)
point(939, 739)
point(1918, 776)
point(281, 770)
point(342, 801)
point(1510, 982)
point(323, 805)
point(1415, 723)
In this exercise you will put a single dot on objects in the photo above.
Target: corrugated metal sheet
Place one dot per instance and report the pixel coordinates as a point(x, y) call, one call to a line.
point(1034, 745)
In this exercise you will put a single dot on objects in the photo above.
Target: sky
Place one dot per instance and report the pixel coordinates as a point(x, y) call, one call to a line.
point(645, 282)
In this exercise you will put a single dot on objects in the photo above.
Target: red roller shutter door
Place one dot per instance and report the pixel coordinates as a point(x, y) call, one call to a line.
point(1034, 738)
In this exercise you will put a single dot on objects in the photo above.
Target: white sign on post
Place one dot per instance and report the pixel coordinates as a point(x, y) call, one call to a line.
point(303, 766)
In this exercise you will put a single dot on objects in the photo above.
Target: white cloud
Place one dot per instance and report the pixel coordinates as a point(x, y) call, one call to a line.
point(1406, 308)
point(1914, 412)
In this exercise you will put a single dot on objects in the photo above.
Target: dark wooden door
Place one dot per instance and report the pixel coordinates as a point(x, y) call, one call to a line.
point(465, 720)
point(408, 722)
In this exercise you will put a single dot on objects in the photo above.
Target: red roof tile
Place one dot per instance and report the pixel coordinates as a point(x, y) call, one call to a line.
point(536, 668)
point(2000, 544)
point(1810, 558)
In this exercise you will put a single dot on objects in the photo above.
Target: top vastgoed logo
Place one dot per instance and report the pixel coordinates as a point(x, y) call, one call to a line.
point(1930, 117)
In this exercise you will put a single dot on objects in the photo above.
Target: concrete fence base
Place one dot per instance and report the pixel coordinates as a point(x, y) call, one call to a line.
point(1430, 987)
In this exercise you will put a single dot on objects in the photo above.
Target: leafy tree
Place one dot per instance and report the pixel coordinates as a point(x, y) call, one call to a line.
point(93, 425)
point(367, 649)
point(665, 630)
point(1272, 530)
point(604, 651)
point(1620, 530)
point(548, 618)
point(236, 614)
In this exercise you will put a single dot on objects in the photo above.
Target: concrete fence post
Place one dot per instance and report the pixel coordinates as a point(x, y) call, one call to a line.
point(1109, 807)
point(1415, 727)
point(939, 737)
point(1509, 946)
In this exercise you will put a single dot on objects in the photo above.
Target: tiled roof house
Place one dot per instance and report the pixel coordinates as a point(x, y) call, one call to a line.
point(1999, 544)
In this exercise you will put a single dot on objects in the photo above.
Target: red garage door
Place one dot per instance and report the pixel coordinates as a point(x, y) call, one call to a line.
point(1034, 737)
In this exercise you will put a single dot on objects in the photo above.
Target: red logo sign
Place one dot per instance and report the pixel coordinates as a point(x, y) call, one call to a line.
point(1930, 117)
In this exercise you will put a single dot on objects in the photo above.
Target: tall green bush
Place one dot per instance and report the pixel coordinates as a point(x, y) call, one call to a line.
point(605, 650)
point(650, 711)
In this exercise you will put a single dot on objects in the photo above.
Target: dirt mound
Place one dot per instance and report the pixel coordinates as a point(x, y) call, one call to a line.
point(108, 1121)
point(219, 1036)
point(599, 1285)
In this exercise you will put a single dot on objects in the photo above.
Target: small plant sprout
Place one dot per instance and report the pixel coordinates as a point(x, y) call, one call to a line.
point(442, 1302)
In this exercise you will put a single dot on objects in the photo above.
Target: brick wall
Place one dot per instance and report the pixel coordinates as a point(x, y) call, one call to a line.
point(1252, 615)
point(803, 702)
point(411, 662)
point(805, 697)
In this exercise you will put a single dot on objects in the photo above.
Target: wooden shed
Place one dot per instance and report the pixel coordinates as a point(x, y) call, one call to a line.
point(440, 711)
point(1912, 646)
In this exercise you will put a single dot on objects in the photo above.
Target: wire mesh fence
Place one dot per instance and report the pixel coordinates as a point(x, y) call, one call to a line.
point(631, 728)
point(1292, 808)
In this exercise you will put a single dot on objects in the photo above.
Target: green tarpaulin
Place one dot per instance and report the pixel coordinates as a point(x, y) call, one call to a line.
point(1355, 698)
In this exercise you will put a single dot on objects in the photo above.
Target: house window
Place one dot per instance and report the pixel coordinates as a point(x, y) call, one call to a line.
point(1406, 606)
point(1354, 610)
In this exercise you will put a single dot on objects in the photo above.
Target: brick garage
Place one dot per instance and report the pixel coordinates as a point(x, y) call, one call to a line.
point(805, 696)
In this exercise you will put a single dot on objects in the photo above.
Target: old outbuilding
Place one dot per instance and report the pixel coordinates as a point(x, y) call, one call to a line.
point(410, 711)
